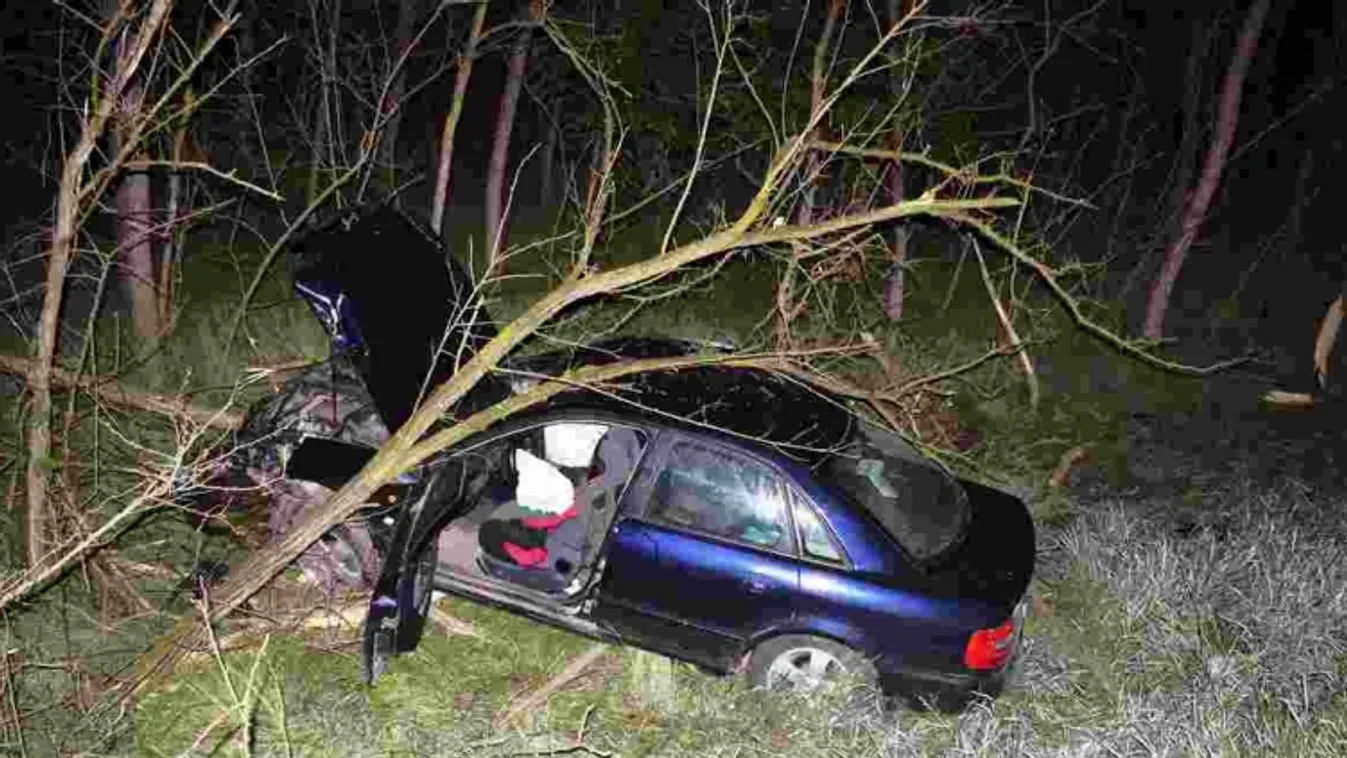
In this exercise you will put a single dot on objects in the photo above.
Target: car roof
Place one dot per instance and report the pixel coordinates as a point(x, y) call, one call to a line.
point(749, 405)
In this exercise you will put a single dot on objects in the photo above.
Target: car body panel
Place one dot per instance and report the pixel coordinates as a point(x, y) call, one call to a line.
point(739, 591)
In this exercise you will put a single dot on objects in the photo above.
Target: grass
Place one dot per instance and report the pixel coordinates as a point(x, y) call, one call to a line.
point(1142, 642)
point(1178, 611)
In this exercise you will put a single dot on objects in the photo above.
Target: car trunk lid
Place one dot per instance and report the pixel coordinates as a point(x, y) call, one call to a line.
point(994, 560)
point(392, 299)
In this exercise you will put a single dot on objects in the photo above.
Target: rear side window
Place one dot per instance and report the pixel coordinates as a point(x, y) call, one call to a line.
point(717, 492)
point(916, 500)
point(816, 540)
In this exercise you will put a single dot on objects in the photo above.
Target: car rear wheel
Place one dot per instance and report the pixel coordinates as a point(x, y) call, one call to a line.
point(802, 663)
point(799, 663)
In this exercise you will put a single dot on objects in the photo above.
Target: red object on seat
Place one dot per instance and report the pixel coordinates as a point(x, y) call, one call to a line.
point(525, 556)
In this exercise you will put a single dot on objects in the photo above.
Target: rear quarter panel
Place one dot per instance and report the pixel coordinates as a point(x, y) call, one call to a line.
point(883, 605)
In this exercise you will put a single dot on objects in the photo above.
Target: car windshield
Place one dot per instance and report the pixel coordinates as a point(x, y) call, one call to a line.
point(916, 500)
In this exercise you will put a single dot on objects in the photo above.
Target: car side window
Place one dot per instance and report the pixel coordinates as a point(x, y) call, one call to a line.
point(715, 491)
point(816, 539)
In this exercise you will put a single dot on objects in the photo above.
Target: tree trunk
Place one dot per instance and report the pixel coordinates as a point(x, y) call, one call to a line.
point(402, 39)
point(818, 83)
point(178, 188)
point(1180, 177)
point(324, 125)
point(135, 251)
point(461, 78)
point(894, 283)
point(1226, 122)
point(65, 229)
point(549, 158)
point(500, 143)
point(135, 219)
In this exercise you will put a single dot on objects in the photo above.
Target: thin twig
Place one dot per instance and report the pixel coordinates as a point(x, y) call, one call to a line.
point(965, 175)
point(1008, 325)
point(1091, 327)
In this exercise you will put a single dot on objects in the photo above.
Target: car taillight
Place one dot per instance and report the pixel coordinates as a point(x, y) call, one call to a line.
point(990, 648)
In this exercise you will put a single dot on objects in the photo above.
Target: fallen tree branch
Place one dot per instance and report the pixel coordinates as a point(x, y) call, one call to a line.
point(1091, 327)
point(968, 176)
point(406, 448)
point(1068, 462)
point(1008, 325)
point(49, 565)
point(108, 390)
point(532, 700)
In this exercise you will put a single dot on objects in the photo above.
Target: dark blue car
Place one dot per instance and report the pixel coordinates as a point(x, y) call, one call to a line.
point(738, 519)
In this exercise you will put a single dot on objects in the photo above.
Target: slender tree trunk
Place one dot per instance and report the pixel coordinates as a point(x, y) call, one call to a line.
point(177, 189)
point(325, 126)
point(894, 284)
point(1226, 122)
point(549, 157)
point(461, 78)
point(805, 213)
point(500, 143)
point(402, 35)
point(818, 84)
point(135, 250)
point(134, 208)
point(58, 259)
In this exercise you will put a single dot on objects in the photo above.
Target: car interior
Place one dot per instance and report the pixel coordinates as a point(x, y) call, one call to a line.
point(540, 521)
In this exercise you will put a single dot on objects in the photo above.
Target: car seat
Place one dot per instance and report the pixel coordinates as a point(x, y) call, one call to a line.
point(570, 544)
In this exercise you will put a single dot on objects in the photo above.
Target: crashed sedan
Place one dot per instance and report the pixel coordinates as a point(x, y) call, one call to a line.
point(733, 518)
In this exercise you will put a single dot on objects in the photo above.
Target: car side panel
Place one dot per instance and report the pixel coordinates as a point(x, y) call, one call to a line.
point(882, 605)
point(706, 594)
point(899, 629)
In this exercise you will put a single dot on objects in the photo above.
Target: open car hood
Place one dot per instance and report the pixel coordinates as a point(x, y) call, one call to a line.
point(393, 301)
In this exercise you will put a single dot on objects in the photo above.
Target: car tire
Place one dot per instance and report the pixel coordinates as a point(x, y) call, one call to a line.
point(804, 663)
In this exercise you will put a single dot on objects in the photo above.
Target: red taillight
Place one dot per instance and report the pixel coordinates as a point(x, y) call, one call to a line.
point(990, 648)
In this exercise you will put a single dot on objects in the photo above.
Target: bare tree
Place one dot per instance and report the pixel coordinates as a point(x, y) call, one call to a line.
point(80, 190)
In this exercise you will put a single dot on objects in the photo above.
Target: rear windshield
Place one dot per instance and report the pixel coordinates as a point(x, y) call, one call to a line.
point(916, 500)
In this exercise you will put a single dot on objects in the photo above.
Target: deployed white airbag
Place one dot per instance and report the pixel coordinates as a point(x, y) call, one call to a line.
point(572, 445)
point(541, 487)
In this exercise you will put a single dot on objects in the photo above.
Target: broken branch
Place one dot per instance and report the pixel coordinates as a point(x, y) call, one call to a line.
point(532, 700)
point(108, 390)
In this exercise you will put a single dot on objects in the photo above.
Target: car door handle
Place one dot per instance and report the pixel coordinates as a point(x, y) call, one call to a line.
point(756, 586)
